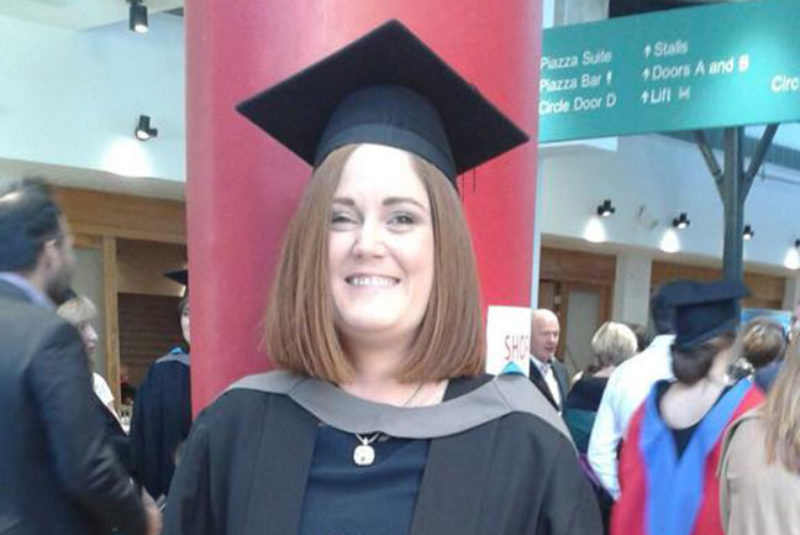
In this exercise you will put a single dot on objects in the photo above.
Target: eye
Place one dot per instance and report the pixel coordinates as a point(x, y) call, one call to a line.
point(402, 219)
point(342, 219)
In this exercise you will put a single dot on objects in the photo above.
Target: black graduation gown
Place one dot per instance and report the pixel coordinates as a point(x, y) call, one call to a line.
point(247, 460)
point(162, 418)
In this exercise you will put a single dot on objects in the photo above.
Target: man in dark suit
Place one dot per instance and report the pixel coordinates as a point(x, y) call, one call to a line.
point(546, 371)
point(58, 475)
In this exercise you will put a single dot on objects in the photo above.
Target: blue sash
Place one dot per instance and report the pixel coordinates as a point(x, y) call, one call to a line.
point(676, 486)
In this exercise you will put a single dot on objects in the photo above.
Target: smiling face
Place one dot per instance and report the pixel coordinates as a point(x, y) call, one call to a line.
point(380, 247)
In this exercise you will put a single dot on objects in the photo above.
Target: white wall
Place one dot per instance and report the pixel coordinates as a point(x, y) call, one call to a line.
point(72, 98)
point(666, 176)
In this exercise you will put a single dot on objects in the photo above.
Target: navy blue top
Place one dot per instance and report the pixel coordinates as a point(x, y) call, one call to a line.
point(345, 499)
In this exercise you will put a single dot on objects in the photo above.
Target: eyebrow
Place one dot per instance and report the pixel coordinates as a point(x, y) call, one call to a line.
point(389, 201)
point(399, 200)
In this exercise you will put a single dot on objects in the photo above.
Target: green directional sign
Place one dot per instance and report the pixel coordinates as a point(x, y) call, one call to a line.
point(703, 67)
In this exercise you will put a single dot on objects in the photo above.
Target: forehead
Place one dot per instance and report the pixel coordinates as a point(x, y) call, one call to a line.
point(546, 323)
point(380, 171)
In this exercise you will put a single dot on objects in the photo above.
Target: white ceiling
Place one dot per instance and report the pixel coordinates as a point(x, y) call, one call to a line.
point(77, 14)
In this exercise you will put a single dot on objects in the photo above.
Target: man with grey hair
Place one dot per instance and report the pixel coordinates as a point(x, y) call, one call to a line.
point(546, 371)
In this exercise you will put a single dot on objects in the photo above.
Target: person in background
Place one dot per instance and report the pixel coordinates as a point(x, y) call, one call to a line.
point(546, 371)
point(625, 391)
point(763, 347)
point(380, 419)
point(80, 312)
point(760, 467)
point(57, 473)
point(643, 336)
point(669, 459)
point(612, 344)
point(162, 410)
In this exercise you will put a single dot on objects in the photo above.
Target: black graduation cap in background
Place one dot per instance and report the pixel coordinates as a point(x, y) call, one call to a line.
point(389, 88)
point(703, 309)
point(181, 276)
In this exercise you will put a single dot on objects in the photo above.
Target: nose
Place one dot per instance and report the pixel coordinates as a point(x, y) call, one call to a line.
point(369, 239)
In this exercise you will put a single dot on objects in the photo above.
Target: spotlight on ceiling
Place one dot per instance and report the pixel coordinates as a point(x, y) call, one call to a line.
point(137, 17)
point(681, 222)
point(748, 233)
point(605, 209)
point(143, 130)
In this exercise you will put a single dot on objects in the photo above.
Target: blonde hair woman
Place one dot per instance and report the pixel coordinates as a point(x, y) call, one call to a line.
point(612, 344)
point(80, 311)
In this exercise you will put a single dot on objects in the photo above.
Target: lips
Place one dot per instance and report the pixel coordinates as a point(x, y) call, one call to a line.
point(371, 281)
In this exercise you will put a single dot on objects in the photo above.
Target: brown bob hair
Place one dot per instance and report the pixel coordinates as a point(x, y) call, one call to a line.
point(300, 335)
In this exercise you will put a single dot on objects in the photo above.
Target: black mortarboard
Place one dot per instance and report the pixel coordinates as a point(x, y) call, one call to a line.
point(703, 309)
point(181, 276)
point(389, 88)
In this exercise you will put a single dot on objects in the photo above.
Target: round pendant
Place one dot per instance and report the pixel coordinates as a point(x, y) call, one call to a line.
point(364, 455)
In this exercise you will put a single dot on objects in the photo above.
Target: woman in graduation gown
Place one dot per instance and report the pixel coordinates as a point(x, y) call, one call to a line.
point(380, 421)
point(668, 463)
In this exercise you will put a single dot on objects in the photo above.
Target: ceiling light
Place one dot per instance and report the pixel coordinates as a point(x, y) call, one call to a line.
point(605, 209)
point(681, 222)
point(670, 243)
point(792, 259)
point(143, 130)
point(748, 232)
point(594, 232)
point(137, 17)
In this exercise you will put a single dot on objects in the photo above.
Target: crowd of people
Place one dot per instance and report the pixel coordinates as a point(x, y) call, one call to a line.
point(379, 418)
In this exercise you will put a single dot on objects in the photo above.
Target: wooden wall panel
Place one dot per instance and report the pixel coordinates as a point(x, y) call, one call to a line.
point(125, 216)
point(577, 266)
point(767, 290)
point(141, 265)
point(111, 315)
point(149, 328)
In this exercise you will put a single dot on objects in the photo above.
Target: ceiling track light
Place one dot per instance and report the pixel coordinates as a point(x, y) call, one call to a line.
point(606, 209)
point(681, 222)
point(137, 17)
point(143, 130)
point(748, 233)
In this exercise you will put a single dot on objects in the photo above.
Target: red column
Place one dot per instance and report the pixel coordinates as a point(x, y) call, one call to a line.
point(243, 186)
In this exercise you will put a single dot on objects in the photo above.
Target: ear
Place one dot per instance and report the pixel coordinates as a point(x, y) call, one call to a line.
point(50, 253)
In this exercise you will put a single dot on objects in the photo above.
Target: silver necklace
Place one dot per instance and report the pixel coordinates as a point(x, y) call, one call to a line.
point(364, 454)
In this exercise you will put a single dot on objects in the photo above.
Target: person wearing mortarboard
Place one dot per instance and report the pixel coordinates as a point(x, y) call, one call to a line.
point(380, 420)
point(668, 463)
point(162, 410)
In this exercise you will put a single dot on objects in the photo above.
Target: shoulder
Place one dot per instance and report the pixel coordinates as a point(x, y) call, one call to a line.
point(251, 395)
point(744, 443)
point(749, 427)
point(175, 356)
point(527, 404)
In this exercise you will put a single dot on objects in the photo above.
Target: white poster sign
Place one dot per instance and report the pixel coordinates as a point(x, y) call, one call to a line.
point(508, 331)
